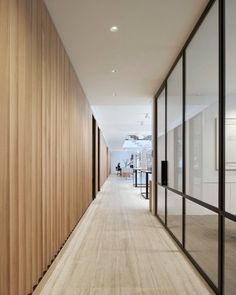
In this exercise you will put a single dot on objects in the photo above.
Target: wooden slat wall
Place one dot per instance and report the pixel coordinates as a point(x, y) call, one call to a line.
point(45, 145)
point(4, 147)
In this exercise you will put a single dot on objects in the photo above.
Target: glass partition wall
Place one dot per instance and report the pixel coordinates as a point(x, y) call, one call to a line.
point(230, 146)
point(174, 124)
point(196, 133)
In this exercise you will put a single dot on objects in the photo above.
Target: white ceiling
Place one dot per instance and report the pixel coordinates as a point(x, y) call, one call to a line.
point(151, 33)
point(125, 120)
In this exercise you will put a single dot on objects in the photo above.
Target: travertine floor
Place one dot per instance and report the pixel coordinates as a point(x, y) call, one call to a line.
point(120, 248)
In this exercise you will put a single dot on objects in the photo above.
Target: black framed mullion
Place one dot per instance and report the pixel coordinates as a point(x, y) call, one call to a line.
point(202, 203)
point(155, 152)
point(166, 142)
point(183, 147)
point(221, 144)
point(230, 216)
point(196, 201)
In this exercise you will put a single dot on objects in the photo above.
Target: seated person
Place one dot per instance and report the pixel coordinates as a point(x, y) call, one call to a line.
point(118, 169)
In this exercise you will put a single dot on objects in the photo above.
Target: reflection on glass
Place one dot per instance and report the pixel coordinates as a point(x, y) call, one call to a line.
point(230, 148)
point(202, 111)
point(230, 124)
point(161, 203)
point(161, 133)
point(202, 238)
point(230, 257)
point(174, 128)
point(174, 214)
point(194, 149)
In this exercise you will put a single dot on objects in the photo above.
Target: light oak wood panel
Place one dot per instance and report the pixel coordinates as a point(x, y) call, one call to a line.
point(4, 147)
point(13, 156)
point(45, 145)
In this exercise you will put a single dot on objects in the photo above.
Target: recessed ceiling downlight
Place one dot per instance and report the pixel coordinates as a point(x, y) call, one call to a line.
point(114, 29)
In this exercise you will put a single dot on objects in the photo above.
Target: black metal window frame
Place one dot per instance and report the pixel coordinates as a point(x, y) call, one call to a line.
point(220, 210)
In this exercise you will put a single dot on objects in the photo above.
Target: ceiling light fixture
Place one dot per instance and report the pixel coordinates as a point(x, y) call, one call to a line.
point(114, 71)
point(114, 29)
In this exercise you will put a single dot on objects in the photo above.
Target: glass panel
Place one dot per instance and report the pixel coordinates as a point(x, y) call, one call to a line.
point(161, 133)
point(230, 148)
point(174, 214)
point(202, 238)
point(202, 111)
point(161, 203)
point(230, 257)
point(230, 126)
point(174, 128)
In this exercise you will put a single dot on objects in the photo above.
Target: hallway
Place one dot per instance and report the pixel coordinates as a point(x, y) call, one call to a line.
point(120, 248)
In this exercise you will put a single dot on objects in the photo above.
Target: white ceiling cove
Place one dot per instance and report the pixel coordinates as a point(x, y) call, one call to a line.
point(150, 35)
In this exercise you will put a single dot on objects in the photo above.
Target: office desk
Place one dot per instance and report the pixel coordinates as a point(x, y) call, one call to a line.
point(137, 181)
point(144, 189)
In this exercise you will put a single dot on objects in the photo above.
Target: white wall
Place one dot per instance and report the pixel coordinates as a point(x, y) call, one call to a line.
point(119, 157)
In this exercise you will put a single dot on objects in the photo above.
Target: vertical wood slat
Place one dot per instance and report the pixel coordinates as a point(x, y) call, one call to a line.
point(13, 156)
point(28, 146)
point(23, 117)
point(4, 147)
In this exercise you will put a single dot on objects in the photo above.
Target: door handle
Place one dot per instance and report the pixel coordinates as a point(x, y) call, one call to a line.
point(164, 173)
